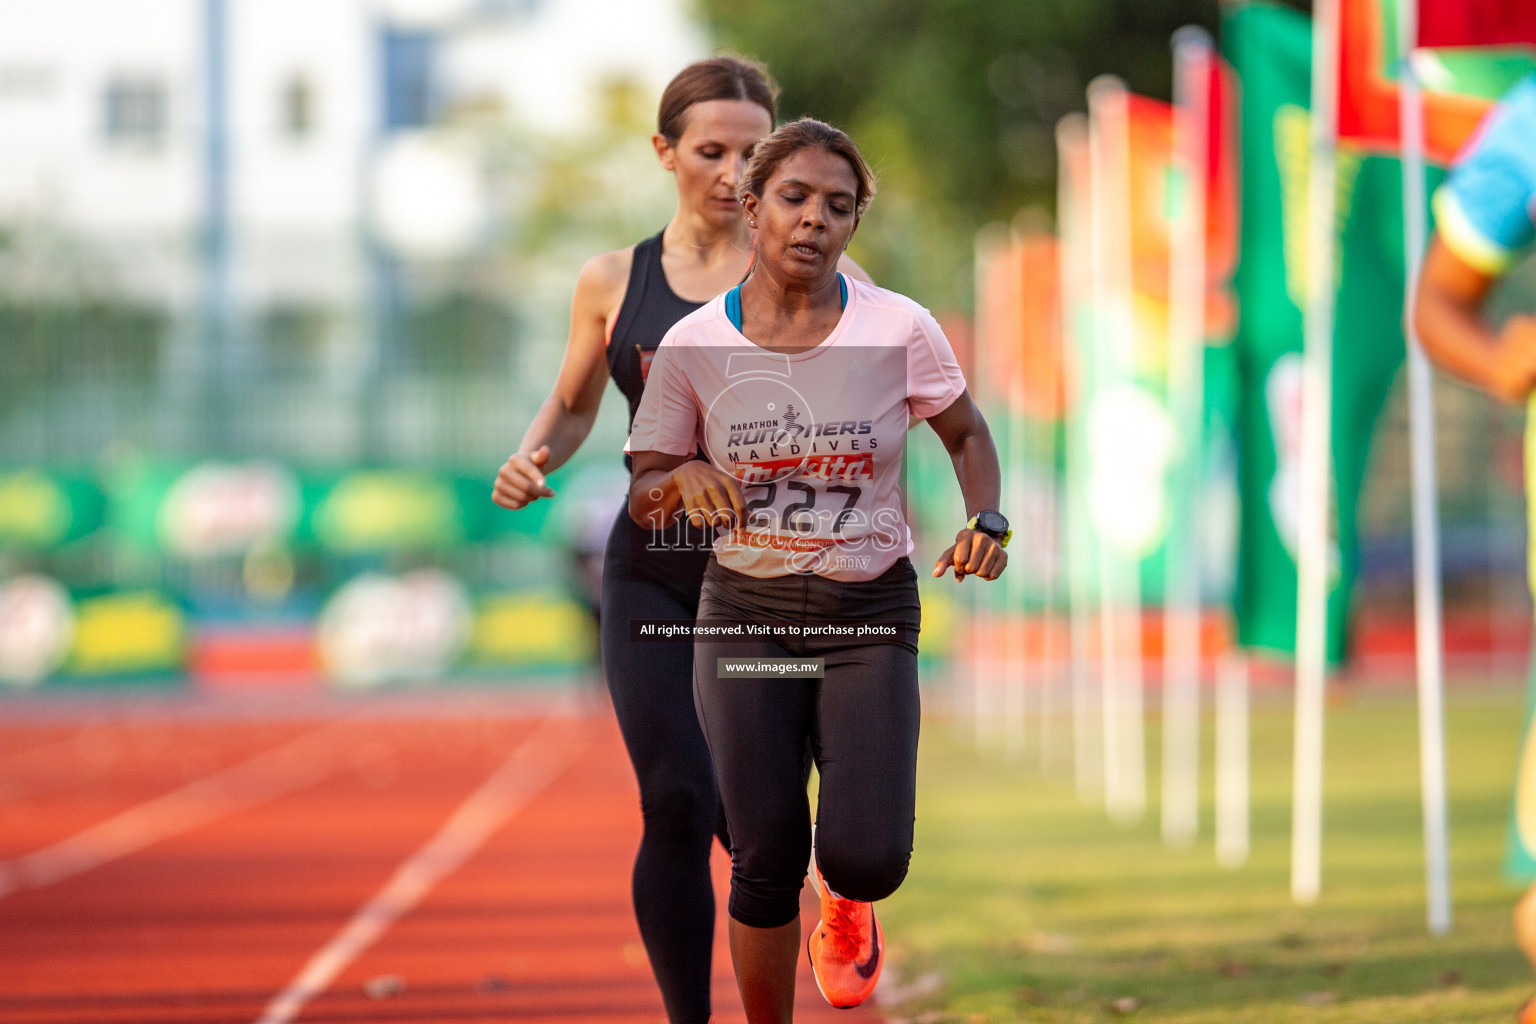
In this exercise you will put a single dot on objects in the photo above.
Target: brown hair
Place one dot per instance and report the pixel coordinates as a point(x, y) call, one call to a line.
point(805, 133)
point(722, 77)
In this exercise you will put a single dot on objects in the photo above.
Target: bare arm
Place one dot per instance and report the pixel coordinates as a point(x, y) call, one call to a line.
point(666, 486)
point(565, 418)
point(969, 443)
point(1448, 313)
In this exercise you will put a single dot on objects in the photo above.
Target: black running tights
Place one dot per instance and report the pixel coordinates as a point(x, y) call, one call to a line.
point(861, 722)
point(652, 689)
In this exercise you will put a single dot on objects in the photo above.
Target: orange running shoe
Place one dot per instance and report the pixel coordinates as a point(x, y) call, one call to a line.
point(846, 947)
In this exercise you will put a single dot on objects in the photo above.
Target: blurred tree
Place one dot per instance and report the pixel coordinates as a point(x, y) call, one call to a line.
point(292, 337)
point(563, 198)
point(460, 333)
point(954, 102)
point(54, 339)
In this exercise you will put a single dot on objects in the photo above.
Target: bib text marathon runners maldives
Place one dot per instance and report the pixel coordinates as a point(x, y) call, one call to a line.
point(814, 438)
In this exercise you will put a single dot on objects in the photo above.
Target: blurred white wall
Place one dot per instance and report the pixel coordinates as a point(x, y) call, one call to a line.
point(380, 156)
point(104, 115)
point(549, 67)
point(60, 64)
point(303, 105)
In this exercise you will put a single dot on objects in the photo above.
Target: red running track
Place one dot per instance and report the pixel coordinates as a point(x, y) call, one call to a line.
point(163, 863)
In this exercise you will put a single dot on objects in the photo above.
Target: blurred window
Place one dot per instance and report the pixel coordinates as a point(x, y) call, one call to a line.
point(135, 111)
point(294, 338)
point(298, 108)
point(493, 8)
point(73, 338)
point(456, 334)
point(408, 60)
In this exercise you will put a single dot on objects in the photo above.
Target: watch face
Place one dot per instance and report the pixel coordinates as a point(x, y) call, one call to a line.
point(992, 522)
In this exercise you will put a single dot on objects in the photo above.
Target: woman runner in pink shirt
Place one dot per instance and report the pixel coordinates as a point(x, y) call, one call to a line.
point(711, 114)
point(799, 385)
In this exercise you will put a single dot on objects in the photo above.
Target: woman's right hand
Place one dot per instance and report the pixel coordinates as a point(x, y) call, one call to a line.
point(521, 479)
point(709, 497)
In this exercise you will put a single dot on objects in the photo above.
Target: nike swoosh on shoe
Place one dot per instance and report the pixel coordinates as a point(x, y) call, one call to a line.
point(868, 967)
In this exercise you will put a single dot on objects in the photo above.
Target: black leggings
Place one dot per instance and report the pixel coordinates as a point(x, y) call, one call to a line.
point(861, 720)
point(652, 690)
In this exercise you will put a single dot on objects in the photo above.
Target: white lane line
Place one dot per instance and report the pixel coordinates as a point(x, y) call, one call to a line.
point(71, 747)
point(297, 764)
point(526, 772)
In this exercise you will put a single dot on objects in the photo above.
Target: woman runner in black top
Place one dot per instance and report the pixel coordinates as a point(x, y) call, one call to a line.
point(711, 115)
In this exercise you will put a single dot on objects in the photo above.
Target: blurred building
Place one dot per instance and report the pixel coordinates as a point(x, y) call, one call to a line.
point(223, 222)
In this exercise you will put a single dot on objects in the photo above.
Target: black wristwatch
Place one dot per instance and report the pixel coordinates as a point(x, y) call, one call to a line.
point(993, 524)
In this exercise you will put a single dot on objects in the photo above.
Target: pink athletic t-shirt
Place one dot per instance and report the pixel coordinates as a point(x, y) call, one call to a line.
point(815, 438)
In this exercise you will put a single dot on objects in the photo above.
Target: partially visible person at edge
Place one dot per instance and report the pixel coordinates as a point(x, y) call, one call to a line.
point(1483, 222)
point(800, 385)
point(710, 116)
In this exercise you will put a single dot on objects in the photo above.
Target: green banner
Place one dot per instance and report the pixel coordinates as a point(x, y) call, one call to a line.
point(389, 510)
point(40, 510)
point(1520, 850)
point(1270, 47)
point(220, 509)
point(204, 510)
point(127, 634)
point(530, 630)
point(48, 634)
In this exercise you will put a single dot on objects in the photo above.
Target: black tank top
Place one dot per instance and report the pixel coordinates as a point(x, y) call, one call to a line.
point(650, 309)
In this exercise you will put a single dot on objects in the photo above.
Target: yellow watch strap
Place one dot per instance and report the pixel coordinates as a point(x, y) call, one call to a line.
point(1001, 541)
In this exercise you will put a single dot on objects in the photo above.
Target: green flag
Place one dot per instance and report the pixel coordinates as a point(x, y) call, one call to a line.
point(1270, 47)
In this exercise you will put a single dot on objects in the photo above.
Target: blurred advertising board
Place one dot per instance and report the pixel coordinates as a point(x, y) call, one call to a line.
point(252, 573)
point(40, 510)
point(49, 634)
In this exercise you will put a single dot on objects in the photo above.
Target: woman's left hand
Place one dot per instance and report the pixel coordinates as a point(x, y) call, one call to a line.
point(973, 554)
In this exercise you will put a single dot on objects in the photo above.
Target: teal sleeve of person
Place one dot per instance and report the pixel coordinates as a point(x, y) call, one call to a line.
point(1483, 211)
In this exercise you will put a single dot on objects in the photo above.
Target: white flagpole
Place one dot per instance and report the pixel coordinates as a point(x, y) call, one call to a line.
point(1129, 668)
point(1087, 738)
point(1100, 188)
point(1011, 333)
point(1049, 716)
point(1312, 569)
point(982, 664)
point(1426, 525)
point(1037, 495)
point(1186, 398)
point(1125, 794)
point(1232, 798)
point(989, 666)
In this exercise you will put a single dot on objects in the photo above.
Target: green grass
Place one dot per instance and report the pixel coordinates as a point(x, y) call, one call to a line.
point(1032, 907)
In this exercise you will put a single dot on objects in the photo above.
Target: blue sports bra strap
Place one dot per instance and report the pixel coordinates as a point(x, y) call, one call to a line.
point(733, 300)
point(733, 306)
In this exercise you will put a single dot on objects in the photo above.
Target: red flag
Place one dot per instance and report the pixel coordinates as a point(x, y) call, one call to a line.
point(1039, 264)
point(1018, 316)
point(1221, 227)
point(1476, 22)
point(1370, 54)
